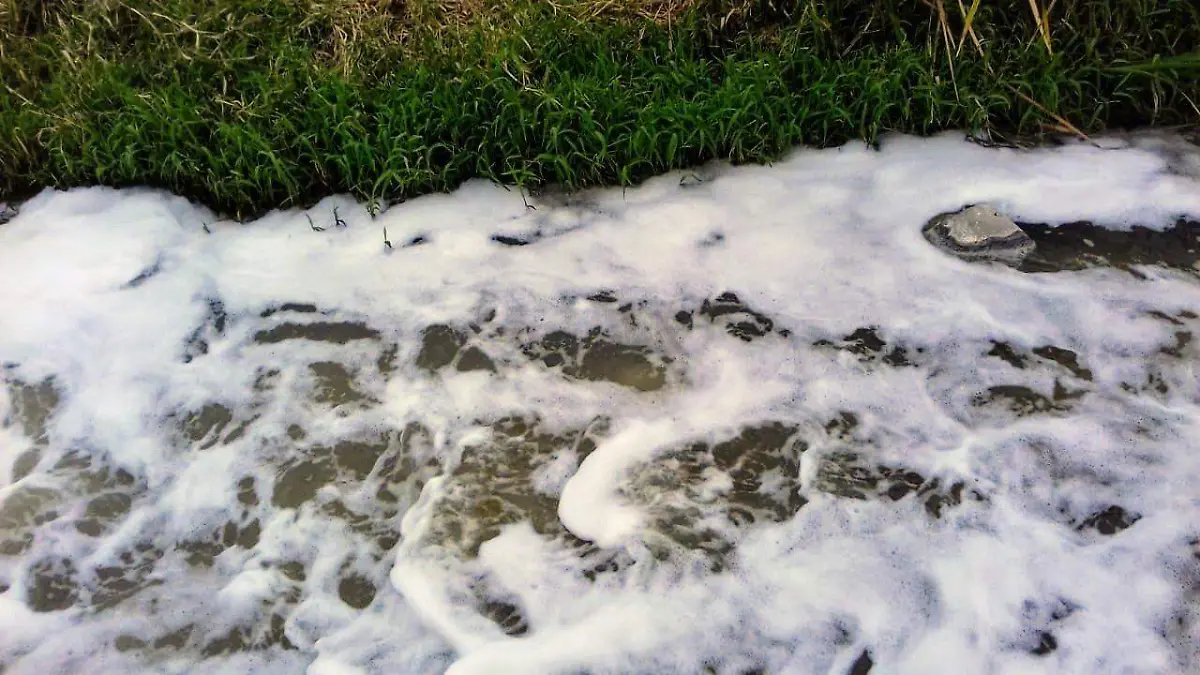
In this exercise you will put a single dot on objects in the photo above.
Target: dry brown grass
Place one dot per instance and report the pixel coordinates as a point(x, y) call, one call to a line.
point(372, 22)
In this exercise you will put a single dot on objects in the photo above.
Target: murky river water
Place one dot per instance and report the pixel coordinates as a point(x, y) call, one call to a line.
point(740, 422)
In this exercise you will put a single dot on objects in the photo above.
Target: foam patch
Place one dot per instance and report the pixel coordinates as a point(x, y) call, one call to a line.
point(750, 422)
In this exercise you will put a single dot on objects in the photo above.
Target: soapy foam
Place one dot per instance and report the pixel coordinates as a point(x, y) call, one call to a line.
point(736, 420)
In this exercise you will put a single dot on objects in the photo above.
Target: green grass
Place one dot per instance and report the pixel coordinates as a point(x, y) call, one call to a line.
point(247, 105)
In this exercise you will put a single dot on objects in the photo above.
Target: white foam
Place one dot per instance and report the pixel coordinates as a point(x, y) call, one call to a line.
point(110, 294)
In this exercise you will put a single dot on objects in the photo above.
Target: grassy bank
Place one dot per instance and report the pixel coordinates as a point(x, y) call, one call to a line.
point(248, 105)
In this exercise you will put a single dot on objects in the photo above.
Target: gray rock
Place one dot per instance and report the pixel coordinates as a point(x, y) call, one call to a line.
point(7, 212)
point(979, 233)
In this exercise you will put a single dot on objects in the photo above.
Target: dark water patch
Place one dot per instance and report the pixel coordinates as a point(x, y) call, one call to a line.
point(206, 425)
point(296, 307)
point(626, 365)
point(863, 342)
point(33, 405)
point(851, 475)
point(238, 431)
point(1076, 246)
point(358, 458)
point(15, 544)
point(337, 332)
point(236, 640)
point(605, 297)
point(52, 585)
point(1109, 521)
point(293, 570)
point(1065, 358)
point(300, 482)
point(700, 495)
point(757, 459)
point(842, 426)
point(102, 512)
point(739, 319)
point(265, 380)
point(248, 535)
point(869, 347)
point(386, 363)
point(334, 384)
point(129, 643)
point(595, 357)
point(176, 639)
point(356, 590)
point(516, 240)
point(1153, 385)
point(91, 471)
point(1182, 340)
point(1176, 320)
point(554, 349)
point(100, 495)
point(603, 562)
point(1020, 400)
point(409, 462)
point(862, 665)
point(1182, 345)
point(364, 523)
point(495, 484)
point(73, 460)
point(144, 276)
point(266, 634)
point(1062, 394)
point(389, 469)
point(474, 358)
point(938, 500)
point(27, 507)
point(25, 463)
point(1005, 352)
point(202, 551)
point(507, 615)
point(598, 358)
point(112, 585)
point(847, 474)
point(247, 491)
point(545, 230)
point(1046, 644)
point(440, 344)
point(211, 328)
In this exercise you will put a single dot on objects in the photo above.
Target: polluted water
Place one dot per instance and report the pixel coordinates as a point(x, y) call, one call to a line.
point(730, 421)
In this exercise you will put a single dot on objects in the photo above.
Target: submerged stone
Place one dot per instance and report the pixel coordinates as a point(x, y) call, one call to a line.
point(979, 233)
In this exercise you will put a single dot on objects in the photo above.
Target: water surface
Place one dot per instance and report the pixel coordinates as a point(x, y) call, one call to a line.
point(739, 421)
